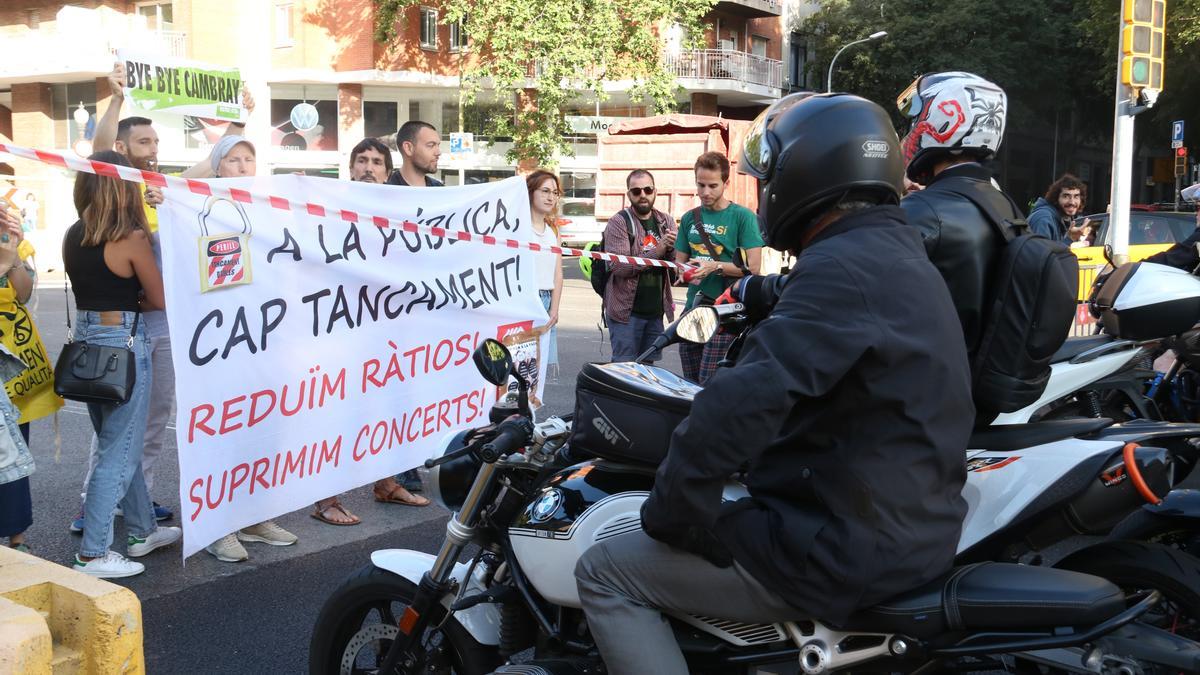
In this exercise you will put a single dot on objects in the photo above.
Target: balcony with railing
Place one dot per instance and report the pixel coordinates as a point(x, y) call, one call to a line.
point(80, 42)
point(751, 9)
point(720, 69)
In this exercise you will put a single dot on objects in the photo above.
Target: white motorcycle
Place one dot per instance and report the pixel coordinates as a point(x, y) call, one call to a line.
point(526, 511)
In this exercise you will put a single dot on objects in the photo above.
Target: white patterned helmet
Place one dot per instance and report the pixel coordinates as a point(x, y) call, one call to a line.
point(952, 113)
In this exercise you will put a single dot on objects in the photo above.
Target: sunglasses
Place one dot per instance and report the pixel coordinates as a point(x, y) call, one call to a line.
point(637, 192)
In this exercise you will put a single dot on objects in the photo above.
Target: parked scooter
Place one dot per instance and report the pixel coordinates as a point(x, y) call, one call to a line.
point(532, 513)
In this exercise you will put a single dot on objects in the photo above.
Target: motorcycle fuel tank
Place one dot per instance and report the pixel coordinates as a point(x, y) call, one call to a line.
point(580, 506)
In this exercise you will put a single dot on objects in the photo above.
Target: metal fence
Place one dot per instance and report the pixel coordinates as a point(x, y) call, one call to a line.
point(1084, 323)
point(721, 64)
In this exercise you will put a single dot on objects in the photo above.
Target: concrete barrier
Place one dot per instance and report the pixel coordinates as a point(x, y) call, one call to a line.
point(56, 620)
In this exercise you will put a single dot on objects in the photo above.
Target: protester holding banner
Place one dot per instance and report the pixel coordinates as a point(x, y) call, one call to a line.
point(16, 504)
point(232, 157)
point(110, 264)
point(370, 162)
point(544, 191)
point(136, 139)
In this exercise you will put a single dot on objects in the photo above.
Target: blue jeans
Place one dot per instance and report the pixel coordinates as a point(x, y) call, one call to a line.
point(117, 478)
point(629, 340)
point(552, 356)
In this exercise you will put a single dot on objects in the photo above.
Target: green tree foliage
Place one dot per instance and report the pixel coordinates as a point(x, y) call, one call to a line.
point(1056, 59)
point(560, 48)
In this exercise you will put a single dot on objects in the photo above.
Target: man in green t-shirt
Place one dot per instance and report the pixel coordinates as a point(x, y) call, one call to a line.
point(728, 227)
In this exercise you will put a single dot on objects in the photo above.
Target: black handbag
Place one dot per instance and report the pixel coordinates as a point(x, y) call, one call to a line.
point(95, 373)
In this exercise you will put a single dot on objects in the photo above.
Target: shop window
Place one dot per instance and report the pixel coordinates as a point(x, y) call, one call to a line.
point(381, 120)
point(314, 133)
point(477, 176)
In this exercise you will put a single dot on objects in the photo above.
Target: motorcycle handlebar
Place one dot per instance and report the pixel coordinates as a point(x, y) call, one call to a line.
point(513, 433)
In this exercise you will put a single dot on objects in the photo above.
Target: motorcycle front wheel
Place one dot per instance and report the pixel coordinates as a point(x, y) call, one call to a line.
point(359, 621)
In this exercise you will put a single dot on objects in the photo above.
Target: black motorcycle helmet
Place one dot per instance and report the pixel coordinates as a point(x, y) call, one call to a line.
point(811, 151)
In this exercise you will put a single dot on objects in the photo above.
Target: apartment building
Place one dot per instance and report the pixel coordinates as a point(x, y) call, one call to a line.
point(322, 52)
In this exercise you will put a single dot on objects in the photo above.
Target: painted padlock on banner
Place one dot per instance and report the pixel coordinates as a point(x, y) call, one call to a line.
point(224, 258)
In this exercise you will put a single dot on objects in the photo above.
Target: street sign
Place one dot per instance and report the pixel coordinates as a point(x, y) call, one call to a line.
point(462, 143)
point(1177, 133)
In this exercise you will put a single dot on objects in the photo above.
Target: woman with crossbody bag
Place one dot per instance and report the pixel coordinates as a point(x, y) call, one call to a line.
point(111, 268)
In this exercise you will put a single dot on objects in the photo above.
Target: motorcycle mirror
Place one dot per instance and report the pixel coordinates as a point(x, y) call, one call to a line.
point(494, 361)
point(691, 329)
point(698, 325)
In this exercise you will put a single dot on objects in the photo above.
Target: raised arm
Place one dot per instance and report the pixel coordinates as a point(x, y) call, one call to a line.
point(106, 127)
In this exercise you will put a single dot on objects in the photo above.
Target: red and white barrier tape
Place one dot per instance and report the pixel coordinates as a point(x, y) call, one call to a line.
point(200, 187)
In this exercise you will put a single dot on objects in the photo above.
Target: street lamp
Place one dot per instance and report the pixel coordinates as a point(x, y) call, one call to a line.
point(872, 36)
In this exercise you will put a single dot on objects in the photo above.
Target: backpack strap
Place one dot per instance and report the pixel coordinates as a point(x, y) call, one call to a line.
point(698, 225)
point(988, 201)
point(629, 227)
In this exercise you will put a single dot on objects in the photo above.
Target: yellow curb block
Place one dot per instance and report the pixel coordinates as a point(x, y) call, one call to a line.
point(95, 626)
point(25, 645)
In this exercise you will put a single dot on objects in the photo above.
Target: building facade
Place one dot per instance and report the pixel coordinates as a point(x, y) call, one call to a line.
point(323, 52)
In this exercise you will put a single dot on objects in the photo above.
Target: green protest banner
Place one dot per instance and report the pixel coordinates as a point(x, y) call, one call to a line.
point(160, 83)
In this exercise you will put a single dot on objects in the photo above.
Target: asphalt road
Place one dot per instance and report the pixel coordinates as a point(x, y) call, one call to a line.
point(205, 616)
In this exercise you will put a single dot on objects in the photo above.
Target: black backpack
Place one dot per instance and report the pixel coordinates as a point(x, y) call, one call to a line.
point(600, 270)
point(1034, 293)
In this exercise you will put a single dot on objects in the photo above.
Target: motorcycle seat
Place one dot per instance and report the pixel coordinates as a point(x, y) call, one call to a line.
point(1009, 437)
point(995, 596)
point(1074, 346)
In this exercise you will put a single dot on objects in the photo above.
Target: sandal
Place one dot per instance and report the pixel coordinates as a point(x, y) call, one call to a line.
point(391, 498)
point(322, 515)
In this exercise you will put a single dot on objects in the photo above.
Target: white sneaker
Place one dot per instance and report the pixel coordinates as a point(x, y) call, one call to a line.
point(161, 536)
point(112, 566)
point(267, 532)
point(228, 549)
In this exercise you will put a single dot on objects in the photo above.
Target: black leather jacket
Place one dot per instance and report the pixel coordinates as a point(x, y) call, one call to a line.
point(960, 243)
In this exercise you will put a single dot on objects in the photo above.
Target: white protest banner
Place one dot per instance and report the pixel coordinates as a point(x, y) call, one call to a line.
point(328, 353)
point(160, 83)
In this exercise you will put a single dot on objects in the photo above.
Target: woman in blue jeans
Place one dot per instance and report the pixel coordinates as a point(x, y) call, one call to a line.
point(111, 267)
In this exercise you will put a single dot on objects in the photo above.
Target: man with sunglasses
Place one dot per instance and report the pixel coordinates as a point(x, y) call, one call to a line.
point(637, 296)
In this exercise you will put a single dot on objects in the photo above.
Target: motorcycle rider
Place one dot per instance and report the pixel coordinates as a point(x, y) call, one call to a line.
point(850, 405)
point(957, 122)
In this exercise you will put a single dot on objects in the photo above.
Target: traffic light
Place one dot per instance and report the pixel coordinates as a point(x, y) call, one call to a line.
point(1143, 39)
point(1180, 161)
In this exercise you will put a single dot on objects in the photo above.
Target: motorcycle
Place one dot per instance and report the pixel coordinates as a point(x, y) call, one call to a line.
point(518, 494)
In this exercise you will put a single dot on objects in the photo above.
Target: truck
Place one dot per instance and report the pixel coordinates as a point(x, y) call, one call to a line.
point(667, 146)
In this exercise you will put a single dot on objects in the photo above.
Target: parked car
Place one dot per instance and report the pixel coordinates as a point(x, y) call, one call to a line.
point(1149, 232)
point(578, 224)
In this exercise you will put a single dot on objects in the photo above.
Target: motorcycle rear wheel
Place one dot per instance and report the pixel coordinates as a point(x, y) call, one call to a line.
point(1137, 566)
point(359, 621)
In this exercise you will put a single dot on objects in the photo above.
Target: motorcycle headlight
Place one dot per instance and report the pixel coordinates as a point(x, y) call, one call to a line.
point(447, 484)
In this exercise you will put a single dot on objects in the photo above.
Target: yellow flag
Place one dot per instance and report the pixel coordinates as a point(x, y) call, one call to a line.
point(33, 390)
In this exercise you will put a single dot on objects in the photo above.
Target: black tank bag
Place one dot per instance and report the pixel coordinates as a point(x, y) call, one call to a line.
point(1032, 302)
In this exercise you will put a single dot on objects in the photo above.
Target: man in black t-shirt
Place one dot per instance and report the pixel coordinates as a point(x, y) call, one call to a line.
point(637, 296)
point(420, 146)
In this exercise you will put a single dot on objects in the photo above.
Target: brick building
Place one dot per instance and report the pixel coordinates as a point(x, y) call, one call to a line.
point(323, 52)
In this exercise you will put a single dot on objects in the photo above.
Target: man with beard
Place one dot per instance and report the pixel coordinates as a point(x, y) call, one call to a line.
point(637, 296)
point(370, 161)
point(1053, 216)
point(420, 147)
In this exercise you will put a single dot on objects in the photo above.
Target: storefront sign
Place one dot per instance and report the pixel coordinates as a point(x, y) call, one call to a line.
point(584, 125)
